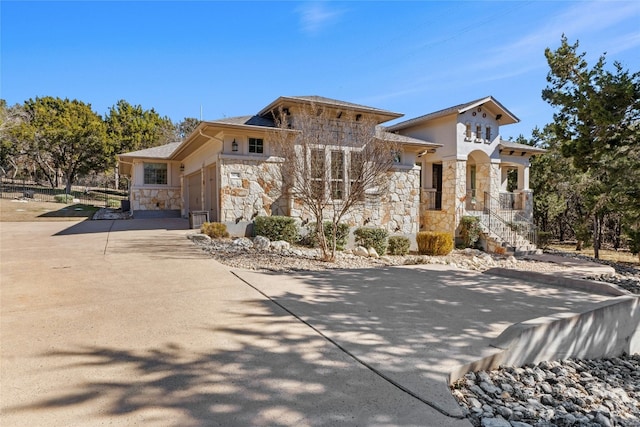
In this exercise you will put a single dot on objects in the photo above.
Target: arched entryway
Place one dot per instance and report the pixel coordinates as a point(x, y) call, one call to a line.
point(478, 179)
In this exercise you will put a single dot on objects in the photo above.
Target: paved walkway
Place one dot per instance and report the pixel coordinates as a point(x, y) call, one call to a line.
point(127, 323)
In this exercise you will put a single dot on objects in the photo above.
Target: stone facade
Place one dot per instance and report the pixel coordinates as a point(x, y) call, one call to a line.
point(156, 199)
point(250, 188)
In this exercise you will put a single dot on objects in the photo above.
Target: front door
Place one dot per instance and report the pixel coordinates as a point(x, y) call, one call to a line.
point(194, 182)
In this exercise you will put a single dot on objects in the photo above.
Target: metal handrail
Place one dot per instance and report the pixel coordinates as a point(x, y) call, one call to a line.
point(508, 228)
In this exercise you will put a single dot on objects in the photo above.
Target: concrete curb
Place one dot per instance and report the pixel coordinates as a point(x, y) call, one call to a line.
point(609, 330)
point(602, 288)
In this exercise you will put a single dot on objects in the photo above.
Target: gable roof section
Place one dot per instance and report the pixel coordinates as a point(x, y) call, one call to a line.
point(507, 116)
point(406, 141)
point(160, 152)
point(516, 149)
point(333, 103)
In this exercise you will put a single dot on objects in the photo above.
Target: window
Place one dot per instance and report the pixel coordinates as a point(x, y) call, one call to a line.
point(155, 173)
point(256, 145)
point(397, 156)
point(337, 174)
point(317, 162)
point(478, 131)
point(467, 131)
point(488, 133)
point(356, 173)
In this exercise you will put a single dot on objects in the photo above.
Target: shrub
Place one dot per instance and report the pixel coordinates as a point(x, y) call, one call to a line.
point(470, 231)
point(341, 235)
point(544, 238)
point(375, 238)
point(434, 243)
point(63, 198)
point(276, 228)
point(398, 245)
point(113, 203)
point(215, 230)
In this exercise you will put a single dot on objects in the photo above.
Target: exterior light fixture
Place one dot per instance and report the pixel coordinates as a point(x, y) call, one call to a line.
point(181, 167)
point(234, 145)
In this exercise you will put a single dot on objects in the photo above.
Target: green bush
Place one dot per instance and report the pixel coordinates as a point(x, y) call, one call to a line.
point(63, 198)
point(375, 238)
point(434, 243)
point(398, 245)
point(544, 238)
point(215, 230)
point(341, 235)
point(470, 231)
point(276, 228)
point(113, 203)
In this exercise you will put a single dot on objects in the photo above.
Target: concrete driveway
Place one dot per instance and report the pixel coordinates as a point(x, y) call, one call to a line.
point(128, 323)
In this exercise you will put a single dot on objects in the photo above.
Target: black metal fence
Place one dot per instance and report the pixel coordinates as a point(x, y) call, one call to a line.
point(96, 196)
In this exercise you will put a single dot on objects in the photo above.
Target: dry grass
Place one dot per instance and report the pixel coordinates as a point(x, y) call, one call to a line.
point(12, 210)
point(621, 257)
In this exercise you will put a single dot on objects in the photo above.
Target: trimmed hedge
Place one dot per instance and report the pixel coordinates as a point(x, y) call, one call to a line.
point(276, 228)
point(398, 245)
point(341, 235)
point(375, 238)
point(434, 243)
point(215, 230)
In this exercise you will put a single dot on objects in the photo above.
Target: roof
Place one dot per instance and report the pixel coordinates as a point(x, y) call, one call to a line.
point(328, 102)
point(507, 116)
point(521, 149)
point(160, 152)
point(382, 133)
point(246, 120)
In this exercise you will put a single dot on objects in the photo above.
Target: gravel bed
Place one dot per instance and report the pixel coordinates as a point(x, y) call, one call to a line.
point(585, 393)
point(241, 253)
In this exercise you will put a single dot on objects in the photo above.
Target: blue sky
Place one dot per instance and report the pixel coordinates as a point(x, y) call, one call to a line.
point(233, 58)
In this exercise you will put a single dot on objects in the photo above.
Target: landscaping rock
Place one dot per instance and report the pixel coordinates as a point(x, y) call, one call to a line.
point(261, 243)
point(361, 251)
point(280, 245)
point(611, 395)
point(242, 242)
point(202, 238)
point(373, 253)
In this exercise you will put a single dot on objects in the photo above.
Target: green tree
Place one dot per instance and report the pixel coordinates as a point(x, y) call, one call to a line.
point(11, 149)
point(186, 126)
point(596, 123)
point(132, 128)
point(64, 136)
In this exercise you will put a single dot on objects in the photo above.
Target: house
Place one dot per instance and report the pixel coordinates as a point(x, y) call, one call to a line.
point(450, 163)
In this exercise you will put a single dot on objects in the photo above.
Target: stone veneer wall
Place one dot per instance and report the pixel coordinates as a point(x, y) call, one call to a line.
point(397, 210)
point(155, 199)
point(488, 179)
point(256, 190)
point(454, 191)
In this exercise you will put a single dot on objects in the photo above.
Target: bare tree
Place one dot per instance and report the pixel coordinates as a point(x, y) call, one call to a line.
point(332, 161)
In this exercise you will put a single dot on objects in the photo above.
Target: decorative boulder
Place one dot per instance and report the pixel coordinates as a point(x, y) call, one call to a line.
point(280, 245)
point(373, 253)
point(243, 242)
point(199, 238)
point(361, 251)
point(261, 243)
